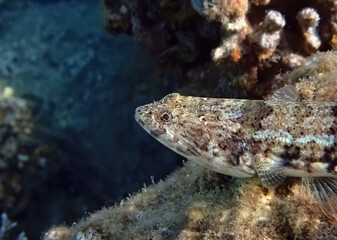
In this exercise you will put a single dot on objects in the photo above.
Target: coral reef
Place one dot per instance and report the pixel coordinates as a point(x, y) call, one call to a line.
point(195, 203)
point(247, 43)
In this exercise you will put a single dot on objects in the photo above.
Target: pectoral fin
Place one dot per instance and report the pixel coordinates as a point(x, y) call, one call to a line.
point(286, 93)
point(324, 190)
point(270, 171)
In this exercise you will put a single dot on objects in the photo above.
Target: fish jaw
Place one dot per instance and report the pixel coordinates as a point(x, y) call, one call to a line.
point(175, 121)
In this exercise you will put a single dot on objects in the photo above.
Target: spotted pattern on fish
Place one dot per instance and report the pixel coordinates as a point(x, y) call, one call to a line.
point(273, 138)
point(217, 132)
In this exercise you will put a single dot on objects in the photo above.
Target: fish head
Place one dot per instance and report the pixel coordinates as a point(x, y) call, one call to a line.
point(175, 121)
point(163, 119)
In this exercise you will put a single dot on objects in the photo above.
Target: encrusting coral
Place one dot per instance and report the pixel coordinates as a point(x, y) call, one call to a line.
point(195, 203)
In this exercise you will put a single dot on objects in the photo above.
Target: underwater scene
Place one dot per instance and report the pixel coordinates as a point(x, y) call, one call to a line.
point(168, 119)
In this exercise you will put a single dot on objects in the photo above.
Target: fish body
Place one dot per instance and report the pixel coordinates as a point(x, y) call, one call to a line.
point(274, 139)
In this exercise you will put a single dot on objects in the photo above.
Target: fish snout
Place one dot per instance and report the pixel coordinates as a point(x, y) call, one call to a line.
point(140, 113)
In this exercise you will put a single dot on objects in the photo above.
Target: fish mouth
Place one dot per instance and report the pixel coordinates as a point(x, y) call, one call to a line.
point(141, 115)
point(138, 113)
point(144, 117)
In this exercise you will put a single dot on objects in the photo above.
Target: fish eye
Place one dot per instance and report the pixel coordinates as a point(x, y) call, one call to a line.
point(165, 117)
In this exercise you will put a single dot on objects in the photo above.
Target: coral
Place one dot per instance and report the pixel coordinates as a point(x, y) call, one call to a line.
point(231, 13)
point(308, 20)
point(268, 40)
point(171, 31)
point(247, 43)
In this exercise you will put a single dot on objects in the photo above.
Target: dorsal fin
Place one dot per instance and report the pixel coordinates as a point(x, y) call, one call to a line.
point(286, 93)
point(324, 190)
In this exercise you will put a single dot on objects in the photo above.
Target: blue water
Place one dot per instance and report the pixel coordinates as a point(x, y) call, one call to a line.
point(85, 85)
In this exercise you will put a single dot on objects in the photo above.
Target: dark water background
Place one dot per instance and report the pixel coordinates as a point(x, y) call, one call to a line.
point(87, 84)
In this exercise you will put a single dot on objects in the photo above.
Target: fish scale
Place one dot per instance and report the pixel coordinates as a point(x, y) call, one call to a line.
point(275, 139)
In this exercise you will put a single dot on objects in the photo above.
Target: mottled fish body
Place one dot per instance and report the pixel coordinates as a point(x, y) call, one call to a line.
point(276, 138)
